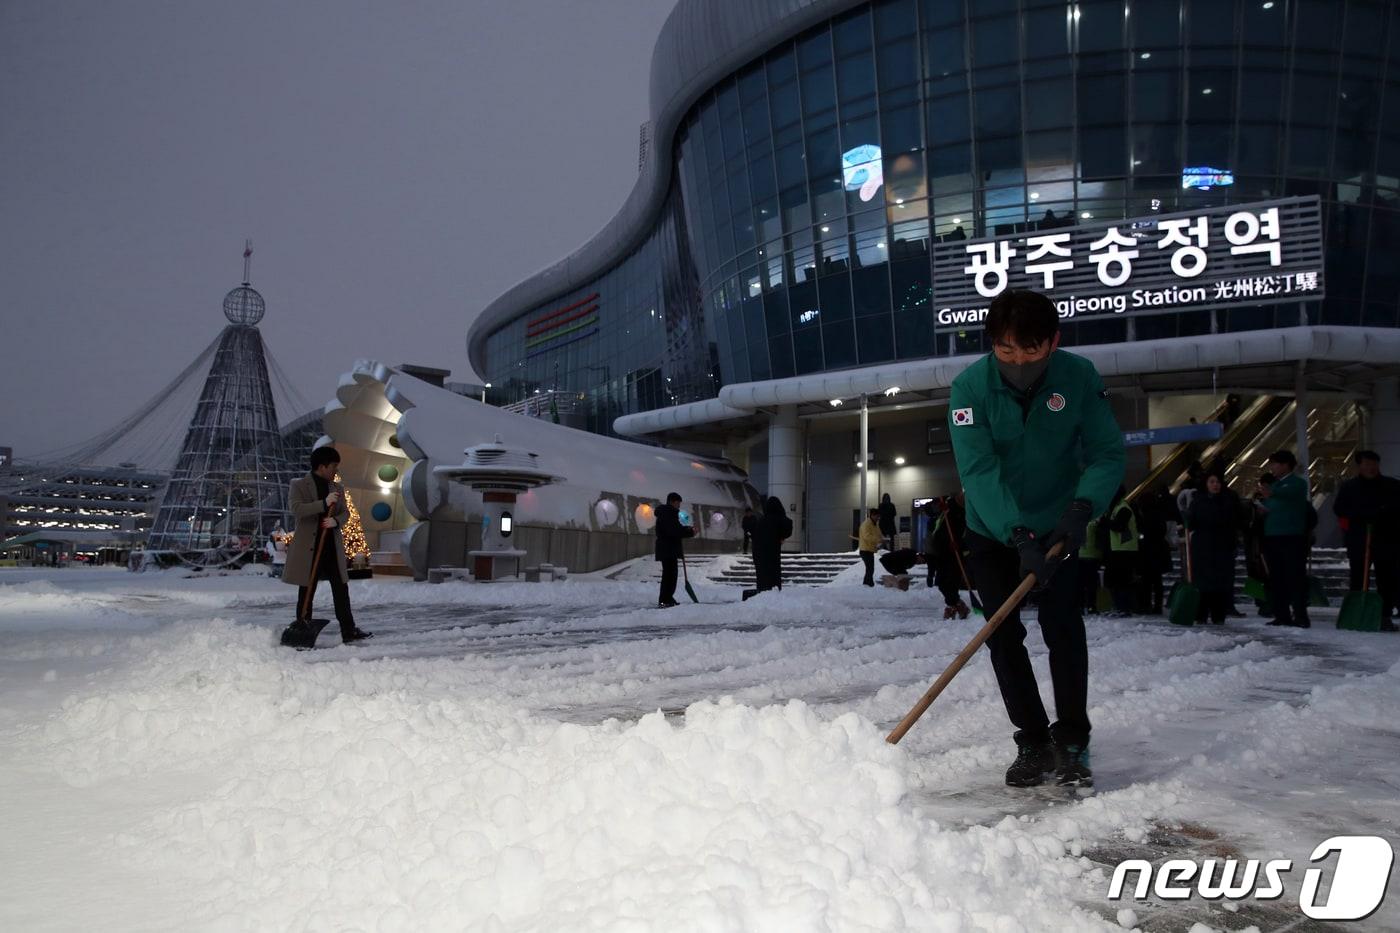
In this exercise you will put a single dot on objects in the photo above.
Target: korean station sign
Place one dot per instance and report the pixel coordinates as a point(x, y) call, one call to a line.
point(1267, 252)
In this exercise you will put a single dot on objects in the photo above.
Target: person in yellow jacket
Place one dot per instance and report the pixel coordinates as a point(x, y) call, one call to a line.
point(870, 539)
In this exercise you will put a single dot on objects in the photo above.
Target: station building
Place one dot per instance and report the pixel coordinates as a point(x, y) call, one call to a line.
point(833, 191)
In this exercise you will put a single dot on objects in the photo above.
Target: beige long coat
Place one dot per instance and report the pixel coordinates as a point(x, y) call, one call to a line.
point(307, 507)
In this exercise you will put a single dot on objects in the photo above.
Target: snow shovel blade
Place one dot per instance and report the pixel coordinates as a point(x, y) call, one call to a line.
point(689, 590)
point(1254, 588)
point(302, 633)
point(1185, 601)
point(1361, 612)
point(977, 604)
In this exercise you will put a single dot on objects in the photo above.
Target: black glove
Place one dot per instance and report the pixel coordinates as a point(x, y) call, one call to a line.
point(1032, 553)
point(1072, 526)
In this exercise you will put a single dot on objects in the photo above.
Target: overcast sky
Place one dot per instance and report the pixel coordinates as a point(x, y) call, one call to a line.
point(397, 164)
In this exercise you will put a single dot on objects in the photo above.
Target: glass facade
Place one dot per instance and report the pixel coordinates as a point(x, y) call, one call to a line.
point(809, 185)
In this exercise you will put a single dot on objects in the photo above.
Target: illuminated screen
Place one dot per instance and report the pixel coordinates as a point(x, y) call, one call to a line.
point(863, 171)
point(1204, 177)
point(507, 523)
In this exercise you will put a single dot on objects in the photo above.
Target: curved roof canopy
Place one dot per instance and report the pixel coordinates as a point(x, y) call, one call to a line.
point(701, 42)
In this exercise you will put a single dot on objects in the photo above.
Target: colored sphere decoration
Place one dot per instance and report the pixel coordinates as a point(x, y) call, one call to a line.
point(381, 511)
point(388, 473)
point(605, 512)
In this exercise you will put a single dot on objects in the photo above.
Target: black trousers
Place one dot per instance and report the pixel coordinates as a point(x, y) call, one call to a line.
point(1287, 557)
point(869, 558)
point(1151, 592)
point(997, 570)
point(1385, 569)
point(669, 569)
point(1088, 585)
point(1215, 605)
point(329, 570)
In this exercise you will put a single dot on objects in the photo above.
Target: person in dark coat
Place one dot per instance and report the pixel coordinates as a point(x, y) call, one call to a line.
point(749, 520)
point(769, 533)
point(1213, 521)
point(318, 502)
point(669, 535)
point(887, 517)
point(1371, 501)
point(945, 557)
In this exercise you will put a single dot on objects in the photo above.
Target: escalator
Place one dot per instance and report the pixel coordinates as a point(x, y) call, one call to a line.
point(1259, 417)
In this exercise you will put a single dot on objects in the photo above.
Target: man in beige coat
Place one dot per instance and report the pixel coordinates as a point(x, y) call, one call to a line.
point(317, 502)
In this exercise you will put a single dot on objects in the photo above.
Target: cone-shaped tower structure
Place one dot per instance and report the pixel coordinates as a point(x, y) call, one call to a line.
point(229, 485)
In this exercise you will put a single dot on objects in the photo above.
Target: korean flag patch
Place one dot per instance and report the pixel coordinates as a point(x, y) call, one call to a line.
point(962, 416)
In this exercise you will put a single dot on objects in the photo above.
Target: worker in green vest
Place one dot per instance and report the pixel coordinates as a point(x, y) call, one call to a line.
point(1040, 455)
point(1090, 561)
point(1287, 511)
point(1121, 553)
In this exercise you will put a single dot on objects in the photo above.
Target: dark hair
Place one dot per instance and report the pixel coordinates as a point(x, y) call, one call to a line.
point(872, 512)
point(1367, 455)
point(1285, 457)
point(1025, 318)
point(672, 497)
point(1267, 479)
point(324, 455)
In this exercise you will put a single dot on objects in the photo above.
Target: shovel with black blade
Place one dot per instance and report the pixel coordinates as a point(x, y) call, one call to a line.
point(685, 575)
point(302, 633)
point(1361, 612)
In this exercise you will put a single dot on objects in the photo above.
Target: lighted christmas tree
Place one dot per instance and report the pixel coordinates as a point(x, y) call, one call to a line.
point(353, 533)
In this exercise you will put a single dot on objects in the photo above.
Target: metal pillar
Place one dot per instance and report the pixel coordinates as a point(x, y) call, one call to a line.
point(864, 453)
point(785, 468)
point(1300, 418)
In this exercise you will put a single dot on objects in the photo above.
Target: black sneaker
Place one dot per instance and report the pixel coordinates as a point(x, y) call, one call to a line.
point(1072, 766)
point(1034, 760)
point(353, 634)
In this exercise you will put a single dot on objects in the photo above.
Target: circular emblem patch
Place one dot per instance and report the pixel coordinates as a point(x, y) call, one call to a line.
point(1056, 402)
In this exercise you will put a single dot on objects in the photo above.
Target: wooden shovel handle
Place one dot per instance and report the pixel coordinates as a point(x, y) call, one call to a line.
point(321, 535)
point(1012, 603)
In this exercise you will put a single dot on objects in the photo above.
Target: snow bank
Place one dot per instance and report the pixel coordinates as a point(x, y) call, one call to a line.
point(354, 796)
point(496, 760)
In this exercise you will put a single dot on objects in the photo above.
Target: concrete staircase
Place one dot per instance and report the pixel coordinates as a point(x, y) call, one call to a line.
point(1329, 564)
point(798, 569)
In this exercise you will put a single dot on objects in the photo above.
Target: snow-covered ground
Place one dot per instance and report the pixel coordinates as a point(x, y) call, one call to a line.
point(562, 756)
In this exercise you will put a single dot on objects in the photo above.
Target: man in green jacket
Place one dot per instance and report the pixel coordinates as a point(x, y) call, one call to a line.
point(1285, 505)
point(1040, 455)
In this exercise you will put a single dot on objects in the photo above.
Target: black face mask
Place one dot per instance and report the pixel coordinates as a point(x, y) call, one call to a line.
point(1022, 376)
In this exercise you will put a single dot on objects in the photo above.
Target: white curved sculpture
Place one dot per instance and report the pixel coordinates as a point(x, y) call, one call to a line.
point(386, 423)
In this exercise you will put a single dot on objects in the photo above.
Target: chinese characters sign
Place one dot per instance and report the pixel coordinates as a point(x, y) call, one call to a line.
point(1262, 253)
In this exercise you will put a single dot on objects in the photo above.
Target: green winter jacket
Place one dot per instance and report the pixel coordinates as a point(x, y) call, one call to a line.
point(1287, 507)
point(1025, 468)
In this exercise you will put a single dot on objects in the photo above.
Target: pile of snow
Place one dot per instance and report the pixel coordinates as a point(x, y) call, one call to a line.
point(529, 756)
